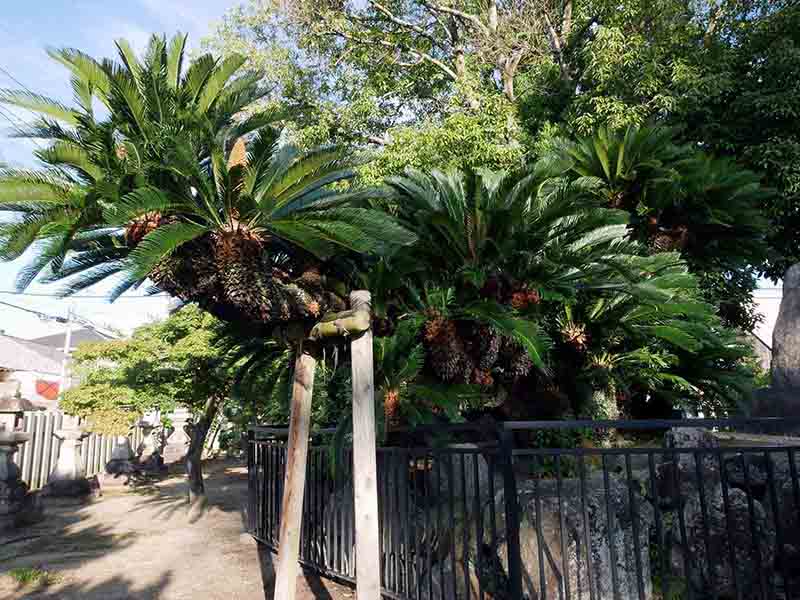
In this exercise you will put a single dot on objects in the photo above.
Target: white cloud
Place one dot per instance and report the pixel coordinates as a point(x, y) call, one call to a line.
point(189, 16)
point(106, 33)
point(27, 61)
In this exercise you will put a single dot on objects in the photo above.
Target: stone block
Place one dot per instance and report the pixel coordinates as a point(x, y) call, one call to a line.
point(588, 572)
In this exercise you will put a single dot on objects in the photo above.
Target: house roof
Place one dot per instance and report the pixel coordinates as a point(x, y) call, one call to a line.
point(17, 354)
point(79, 336)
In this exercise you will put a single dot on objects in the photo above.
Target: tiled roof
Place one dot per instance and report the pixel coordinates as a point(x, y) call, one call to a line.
point(79, 336)
point(17, 354)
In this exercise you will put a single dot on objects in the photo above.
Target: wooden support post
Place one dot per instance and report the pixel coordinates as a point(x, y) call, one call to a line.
point(368, 559)
point(294, 486)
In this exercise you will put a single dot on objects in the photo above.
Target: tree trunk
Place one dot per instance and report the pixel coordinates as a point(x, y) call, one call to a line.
point(197, 433)
point(508, 87)
point(295, 480)
point(492, 16)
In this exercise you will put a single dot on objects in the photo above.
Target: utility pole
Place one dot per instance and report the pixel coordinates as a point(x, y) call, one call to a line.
point(65, 378)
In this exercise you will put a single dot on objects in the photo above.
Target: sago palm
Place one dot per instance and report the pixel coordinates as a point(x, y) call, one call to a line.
point(89, 164)
point(256, 237)
point(525, 230)
point(678, 197)
point(160, 190)
point(496, 245)
point(650, 335)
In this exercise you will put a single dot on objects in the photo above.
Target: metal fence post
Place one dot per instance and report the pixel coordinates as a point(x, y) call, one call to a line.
point(251, 476)
point(512, 513)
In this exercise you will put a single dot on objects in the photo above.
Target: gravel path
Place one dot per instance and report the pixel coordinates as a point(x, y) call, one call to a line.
point(140, 545)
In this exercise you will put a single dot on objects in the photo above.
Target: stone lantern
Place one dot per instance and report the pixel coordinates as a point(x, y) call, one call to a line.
point(178, 442)
point(68, 478)
point(12, 407)
point(149, 450)
point(17, 505)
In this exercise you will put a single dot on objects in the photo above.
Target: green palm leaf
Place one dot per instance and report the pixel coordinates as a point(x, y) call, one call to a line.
point(160, 244)
point(175, 54)
point(39, 104)
point(217, 79)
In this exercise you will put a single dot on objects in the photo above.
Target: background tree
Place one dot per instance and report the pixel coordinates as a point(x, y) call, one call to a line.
point(179, 361)
point(587, 63)
point(751, 114)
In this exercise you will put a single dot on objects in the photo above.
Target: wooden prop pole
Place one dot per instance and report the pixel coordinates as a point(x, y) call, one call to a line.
point(368, 560)
point(294, 485)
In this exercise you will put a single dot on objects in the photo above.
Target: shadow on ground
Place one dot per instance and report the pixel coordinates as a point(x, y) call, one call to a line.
point(310, 585)
point(225, 483)
point(60, 540)
point(115, 588)
point(140, 542)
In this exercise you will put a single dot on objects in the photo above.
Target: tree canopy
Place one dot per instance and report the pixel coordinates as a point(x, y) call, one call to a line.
point(421, 78)
point(518, 184)
point(178, 361)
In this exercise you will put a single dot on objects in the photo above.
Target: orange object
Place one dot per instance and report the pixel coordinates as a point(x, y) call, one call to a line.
point(48, 389)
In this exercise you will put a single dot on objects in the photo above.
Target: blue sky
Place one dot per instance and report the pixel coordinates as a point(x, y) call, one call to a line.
point(26, 29)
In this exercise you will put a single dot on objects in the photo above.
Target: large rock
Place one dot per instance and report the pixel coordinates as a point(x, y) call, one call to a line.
point(462, 474)
point(743, 528)
point(777, 402)
point(681, 475)
point(719, 547)
point(786, 337)
point(608, 543)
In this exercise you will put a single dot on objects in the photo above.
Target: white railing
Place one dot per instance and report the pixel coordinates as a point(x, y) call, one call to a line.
point(37, 457)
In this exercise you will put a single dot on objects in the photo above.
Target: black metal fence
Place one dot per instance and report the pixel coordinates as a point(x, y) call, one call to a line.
point(683, 514)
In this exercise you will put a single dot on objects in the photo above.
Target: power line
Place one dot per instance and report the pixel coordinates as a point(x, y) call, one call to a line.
point(41, 315)
point(73, 317)
point(15, 80)
point(4, 112)
point(86, 297)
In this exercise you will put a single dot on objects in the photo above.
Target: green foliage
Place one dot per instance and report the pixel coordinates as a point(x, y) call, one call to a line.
point(466, 138)
point(539, 262)
point(34, 576)
point(91, 164)
point(167, 179)
point(654, 332)
point(493, 282)
point(182, 360)
point(679, 199)
point(751, 113)
point(724, 73)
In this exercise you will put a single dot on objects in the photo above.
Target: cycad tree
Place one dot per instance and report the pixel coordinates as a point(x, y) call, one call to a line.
point(679, 199)
point(175, 185)
point(535, 293)
point(255, 240)
point(90, 163)
point(493, 245)
point(648, 337)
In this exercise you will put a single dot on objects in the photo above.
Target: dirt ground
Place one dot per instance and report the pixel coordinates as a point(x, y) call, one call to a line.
point(139, 544)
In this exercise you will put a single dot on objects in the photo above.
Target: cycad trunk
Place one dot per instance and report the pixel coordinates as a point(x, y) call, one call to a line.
point(194, 468)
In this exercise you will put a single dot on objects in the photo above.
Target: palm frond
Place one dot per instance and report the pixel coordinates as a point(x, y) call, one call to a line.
point(216, 80)
point(86, 69)
point(39, 104)
point(175, 54)
point(160, 244)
